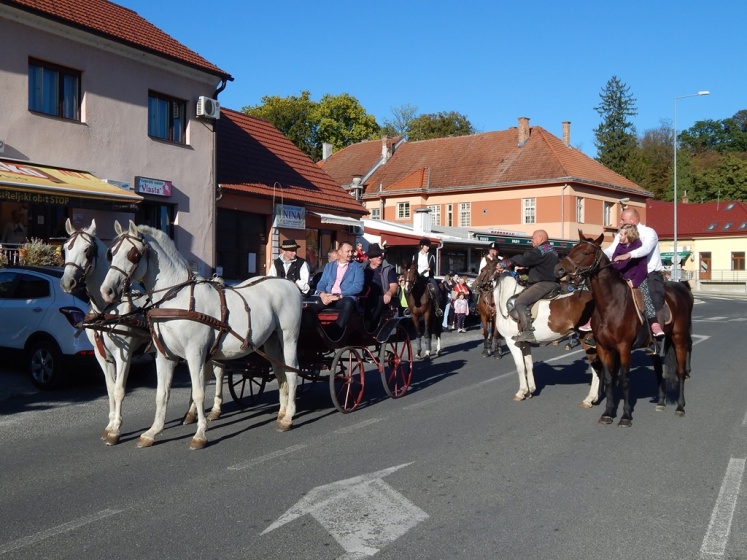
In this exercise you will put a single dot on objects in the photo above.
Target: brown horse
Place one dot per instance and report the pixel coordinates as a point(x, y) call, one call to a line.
point(619, 329)
point(421, 307)
point(486, 308)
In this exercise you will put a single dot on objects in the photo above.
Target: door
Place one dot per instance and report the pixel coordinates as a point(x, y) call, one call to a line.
point(705, 266)
point(24, 299)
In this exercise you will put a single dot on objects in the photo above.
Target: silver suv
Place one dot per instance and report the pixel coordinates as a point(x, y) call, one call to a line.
point(37, 323)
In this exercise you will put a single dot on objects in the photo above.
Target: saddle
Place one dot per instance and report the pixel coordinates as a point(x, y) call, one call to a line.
point(511, 303)
point(640, 307)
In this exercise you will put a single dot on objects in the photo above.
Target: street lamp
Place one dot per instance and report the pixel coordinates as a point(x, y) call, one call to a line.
point(675, 256)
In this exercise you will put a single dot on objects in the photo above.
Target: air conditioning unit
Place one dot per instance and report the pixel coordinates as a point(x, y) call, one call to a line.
point(208, 108)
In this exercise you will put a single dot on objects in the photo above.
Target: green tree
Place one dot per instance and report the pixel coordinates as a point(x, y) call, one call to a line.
point(615, 137)
point(439, 125)
point(718, 176)
point(402, 117)
point(727, 135)
point(342, 121)
point(655, 151)
point(295, 117)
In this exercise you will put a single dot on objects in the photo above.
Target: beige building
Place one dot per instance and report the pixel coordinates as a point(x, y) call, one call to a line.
point(93, 92)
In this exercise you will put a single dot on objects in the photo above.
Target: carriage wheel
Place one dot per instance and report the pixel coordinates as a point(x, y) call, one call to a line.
point(396, 363)
point(347, 379)
point(246, 387)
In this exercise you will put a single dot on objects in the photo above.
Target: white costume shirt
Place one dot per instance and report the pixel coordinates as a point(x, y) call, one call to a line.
point(648, 249)
point(423, 263)
point(484, 262)
point(303, 274)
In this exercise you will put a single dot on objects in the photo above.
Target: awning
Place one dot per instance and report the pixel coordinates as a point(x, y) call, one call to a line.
point(338, 220)
point(24, 182)
point(666, 257)
point(393, 239)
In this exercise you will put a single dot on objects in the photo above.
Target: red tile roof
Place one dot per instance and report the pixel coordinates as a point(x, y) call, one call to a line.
point(118, 24)
point(253, 155)
point(486, 160)
point(707, 219)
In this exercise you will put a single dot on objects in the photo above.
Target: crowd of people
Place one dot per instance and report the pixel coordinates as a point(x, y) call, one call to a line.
point(353, 273)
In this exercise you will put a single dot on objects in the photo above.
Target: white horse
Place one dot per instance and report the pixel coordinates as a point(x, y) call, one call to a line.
point(197, 320)
point(555, 320)
point(115, 342)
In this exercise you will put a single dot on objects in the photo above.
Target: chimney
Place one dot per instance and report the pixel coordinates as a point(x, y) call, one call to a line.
point(326, 150)
point(684, 198)
point(567, 133)
point(385, 151)
point(523, 130)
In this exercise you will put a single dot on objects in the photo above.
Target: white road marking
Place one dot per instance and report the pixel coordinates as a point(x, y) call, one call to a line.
point(64, 528)
point(357, 426)
point(744, 420)
point(717, 535)
point(363, 514)
point(268, 457)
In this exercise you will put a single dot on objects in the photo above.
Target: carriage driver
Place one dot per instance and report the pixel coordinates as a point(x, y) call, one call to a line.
point(381, 282)
point(650, 249)
point(341, 282)
point(289, 265)
point(426, 264)
point(541, 261)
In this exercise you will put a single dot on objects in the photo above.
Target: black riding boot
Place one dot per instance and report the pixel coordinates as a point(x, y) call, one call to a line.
point(527, 331)
point(436, 300)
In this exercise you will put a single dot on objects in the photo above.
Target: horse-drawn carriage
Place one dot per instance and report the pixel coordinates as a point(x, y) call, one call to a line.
point(340, 361)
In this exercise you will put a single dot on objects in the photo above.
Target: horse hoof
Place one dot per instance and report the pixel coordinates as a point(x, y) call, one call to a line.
point(284, 426)
point(198, 443)
point(585, 404)
point(112, 438)
point(105, 434)
point(625, 423)
point(518, 397)
point(213, 415)
point(605, 420)
point(189, 418)
point(679, 412)
point(660, 408)
point(145, 442)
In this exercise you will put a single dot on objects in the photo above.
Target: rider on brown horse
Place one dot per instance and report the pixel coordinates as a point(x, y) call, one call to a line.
point(426, 265)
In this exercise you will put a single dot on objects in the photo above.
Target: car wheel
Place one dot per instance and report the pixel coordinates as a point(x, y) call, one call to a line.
point(45, 365)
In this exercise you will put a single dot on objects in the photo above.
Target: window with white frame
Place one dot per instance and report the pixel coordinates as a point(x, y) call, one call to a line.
point(529, 211)
point(167, 118)
point(608, 214)
point(580, 209)
point(375, 213)
point(465, 214)
point(449, 215)
point(54, 90)
point(403, 210)
point(435, 214)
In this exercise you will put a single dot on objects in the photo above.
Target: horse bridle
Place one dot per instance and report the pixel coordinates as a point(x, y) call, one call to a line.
point(134, 255)
point(585, 272)
point(90, 254)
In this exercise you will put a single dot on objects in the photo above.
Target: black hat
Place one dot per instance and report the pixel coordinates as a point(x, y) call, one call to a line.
point(374, 250)
point(289, 245)
point(425, 241)
point(493, 245)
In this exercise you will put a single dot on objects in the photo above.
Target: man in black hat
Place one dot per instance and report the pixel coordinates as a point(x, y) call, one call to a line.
point(426, 263)
point(491, 257)
point(380, 284)
point(289, 265)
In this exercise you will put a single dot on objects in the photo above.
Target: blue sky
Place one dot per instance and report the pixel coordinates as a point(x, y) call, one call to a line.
point(490, 60)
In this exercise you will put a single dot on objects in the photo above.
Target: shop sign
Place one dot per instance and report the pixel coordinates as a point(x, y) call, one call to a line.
point(158, 187)
point(292, 217)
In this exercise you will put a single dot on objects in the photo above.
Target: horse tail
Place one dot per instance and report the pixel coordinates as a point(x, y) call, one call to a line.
point(670, 369)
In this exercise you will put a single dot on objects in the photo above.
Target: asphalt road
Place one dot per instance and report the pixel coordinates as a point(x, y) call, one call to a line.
point(455, 469)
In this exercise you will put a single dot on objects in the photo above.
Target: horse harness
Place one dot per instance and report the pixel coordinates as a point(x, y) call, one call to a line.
point(90, 254)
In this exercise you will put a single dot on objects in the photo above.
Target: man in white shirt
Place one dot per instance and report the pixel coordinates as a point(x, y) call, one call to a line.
point(289, 265)
point(490, 257)
point(426, 263)
point(650, 250)
point(14, 231)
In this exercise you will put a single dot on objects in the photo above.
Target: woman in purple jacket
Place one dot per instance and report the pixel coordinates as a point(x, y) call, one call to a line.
point(634, 271)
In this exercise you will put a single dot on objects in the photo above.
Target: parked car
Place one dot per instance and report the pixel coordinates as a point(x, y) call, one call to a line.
point(37, 324)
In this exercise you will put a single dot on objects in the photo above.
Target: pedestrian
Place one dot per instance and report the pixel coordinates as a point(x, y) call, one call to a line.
point(461, 309)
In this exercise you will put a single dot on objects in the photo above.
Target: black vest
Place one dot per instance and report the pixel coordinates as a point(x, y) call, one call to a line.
point(293, 269)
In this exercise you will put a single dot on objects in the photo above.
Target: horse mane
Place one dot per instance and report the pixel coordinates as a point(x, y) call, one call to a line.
point(166, 244)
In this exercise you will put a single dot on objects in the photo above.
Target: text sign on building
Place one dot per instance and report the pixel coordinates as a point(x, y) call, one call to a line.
point(158, 187)
point(292, 217)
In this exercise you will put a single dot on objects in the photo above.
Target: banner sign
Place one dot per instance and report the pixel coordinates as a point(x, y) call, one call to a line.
point(156, 187)
point(292, 217)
